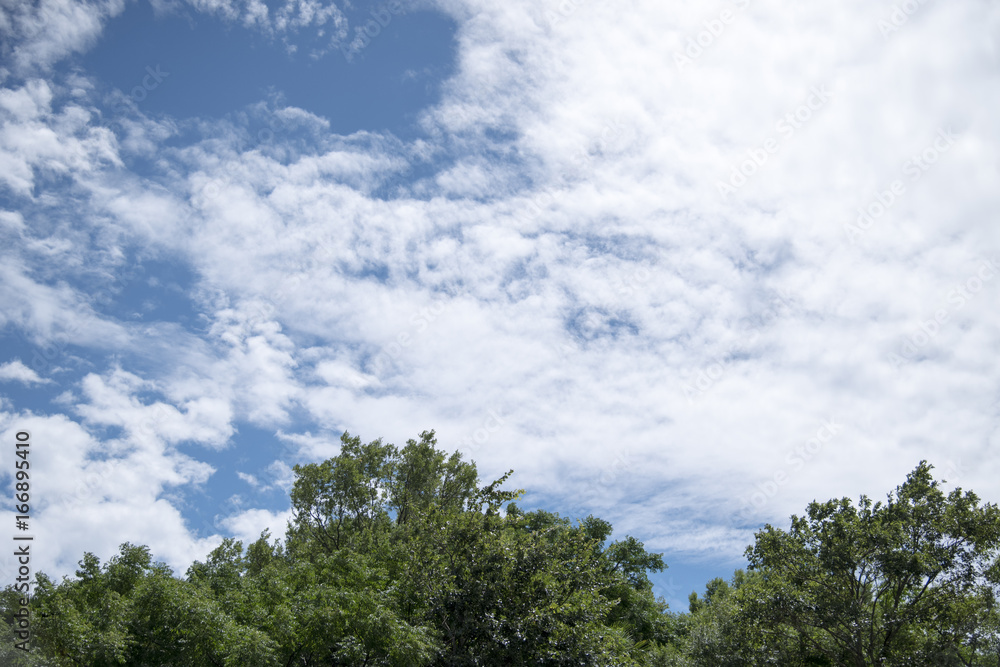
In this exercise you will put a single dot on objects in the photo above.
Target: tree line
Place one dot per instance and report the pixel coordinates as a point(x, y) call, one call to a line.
point(399, 557)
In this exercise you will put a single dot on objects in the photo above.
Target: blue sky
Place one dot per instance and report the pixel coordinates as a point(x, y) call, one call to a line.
point(686, 266)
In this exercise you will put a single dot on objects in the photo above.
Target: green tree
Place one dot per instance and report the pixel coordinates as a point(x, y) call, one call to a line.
point(518, 589)
point(342, 501)
point(423, 477)
point(495, 586)
point(133, 611)
point(320, 609)
point(912, 581)
point(393, 557)
point(715, 632)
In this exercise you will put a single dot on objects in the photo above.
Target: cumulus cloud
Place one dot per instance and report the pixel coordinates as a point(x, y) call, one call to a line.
point(248, 525)
point(16, 371)
point(86, 498)
point(35, 140)
point(39, 34)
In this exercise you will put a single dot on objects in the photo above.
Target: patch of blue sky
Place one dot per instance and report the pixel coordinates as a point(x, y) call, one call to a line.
point(523, 279)
point(195, 65)
point(589, 324)
point(621, 245)
point(378, 271)
point(47, 362)
point(684, 576)
point(46, 182)
point(57, 358)
point(250, 452)
point(153, 291)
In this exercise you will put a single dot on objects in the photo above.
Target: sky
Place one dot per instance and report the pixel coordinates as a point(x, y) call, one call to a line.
point(686, 266)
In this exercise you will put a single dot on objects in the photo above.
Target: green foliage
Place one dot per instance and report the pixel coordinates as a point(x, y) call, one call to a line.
point(132, 611)
point(909, 581)
point(398, 557)
point(393, 557)
point(517, 590)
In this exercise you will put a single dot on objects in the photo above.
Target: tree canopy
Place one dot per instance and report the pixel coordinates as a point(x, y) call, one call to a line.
point(912, 580)
point(909, 581)
point(394, 556)
point(401, 557)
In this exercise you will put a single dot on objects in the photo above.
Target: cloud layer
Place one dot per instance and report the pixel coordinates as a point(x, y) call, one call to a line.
point(684, 266)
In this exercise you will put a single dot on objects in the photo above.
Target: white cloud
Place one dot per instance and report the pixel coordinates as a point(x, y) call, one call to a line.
point(248, 525)
point(312, 448)
point(39, 34)
point(249, 479)
point(36, 140)
point(277, 476)
point(283, 475)
point(92, 495)
point(111, 400)
point(57, 316)
point(16, 371)
point(12, 220)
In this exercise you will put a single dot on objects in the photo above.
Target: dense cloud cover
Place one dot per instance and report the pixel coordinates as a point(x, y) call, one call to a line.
point(686, 266)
